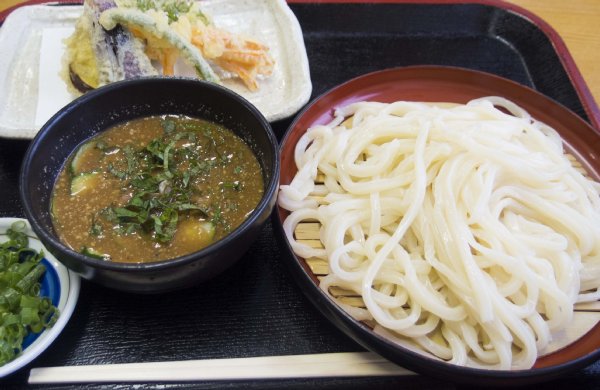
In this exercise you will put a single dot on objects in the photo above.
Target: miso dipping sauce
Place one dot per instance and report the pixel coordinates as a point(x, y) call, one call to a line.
point(155, 188)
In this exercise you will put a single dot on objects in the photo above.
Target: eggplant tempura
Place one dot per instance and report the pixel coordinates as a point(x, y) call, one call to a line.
point(95, 56)
point(121, 40)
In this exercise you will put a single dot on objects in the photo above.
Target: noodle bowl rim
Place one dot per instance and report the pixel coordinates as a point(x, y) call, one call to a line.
point(320, 111)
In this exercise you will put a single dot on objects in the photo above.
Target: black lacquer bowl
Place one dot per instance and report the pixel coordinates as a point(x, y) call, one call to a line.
point(440, 84)
point(100, 109)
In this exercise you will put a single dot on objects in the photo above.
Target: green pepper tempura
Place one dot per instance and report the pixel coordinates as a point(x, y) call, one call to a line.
point(22, 310)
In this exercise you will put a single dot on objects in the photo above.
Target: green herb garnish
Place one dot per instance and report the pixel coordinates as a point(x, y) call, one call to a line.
point(173, 8)
point(22, 310)
point(158, 178)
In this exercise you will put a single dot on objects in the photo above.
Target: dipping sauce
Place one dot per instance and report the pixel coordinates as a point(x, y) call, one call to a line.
point(155, 188)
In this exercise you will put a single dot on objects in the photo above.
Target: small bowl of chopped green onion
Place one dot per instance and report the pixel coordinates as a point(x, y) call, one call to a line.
point(37, 296)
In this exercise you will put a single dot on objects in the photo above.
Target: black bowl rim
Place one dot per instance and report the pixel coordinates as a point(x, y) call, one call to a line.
point(394, 352)
point(41, 137)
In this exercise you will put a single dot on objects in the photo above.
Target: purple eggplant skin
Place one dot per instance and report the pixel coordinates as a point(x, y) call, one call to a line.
point(117, 51)
point(78, 83)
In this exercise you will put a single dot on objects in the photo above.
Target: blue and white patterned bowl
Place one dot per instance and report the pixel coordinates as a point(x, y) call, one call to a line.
point(59, 284)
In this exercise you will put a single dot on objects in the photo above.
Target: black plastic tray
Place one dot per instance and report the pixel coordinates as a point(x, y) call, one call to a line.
point(255, 309)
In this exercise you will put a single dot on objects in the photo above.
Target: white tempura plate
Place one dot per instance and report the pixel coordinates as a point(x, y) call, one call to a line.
point(31, 89)
point(59, 284)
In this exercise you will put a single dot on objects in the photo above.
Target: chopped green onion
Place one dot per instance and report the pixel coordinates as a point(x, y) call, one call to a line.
point(22, 310)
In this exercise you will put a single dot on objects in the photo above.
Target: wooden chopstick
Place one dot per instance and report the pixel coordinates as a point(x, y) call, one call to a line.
point(345, 364)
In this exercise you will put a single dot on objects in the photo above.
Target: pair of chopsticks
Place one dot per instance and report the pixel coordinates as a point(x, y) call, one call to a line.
point(268, 367)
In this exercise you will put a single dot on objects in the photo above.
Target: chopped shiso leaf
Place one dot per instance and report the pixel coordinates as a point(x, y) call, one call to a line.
point(160, 191)
point(22, 309)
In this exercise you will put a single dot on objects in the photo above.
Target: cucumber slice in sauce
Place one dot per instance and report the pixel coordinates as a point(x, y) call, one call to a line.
point(84, 182)
point(91, 252)
point(76, 161)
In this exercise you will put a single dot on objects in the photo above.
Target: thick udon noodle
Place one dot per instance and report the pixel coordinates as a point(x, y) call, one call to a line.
point(468, 231)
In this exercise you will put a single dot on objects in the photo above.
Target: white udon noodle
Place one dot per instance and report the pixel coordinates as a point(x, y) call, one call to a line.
point(467, 231)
